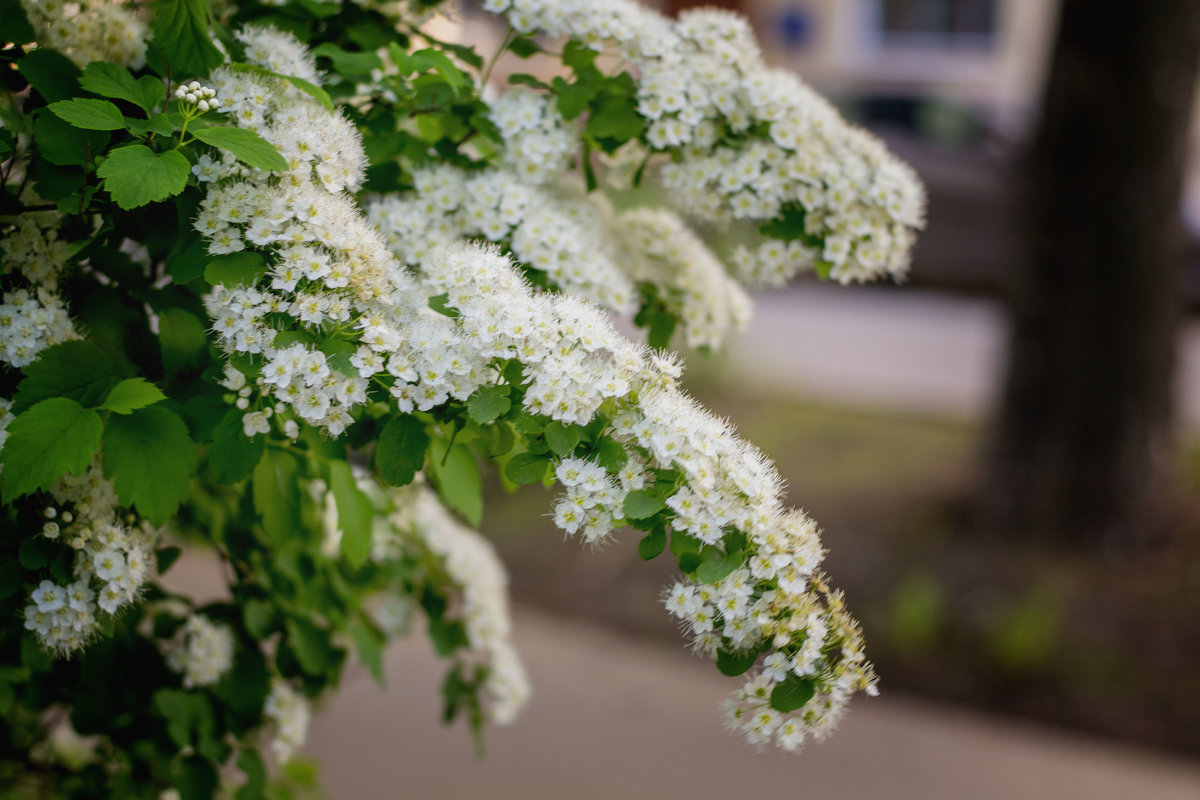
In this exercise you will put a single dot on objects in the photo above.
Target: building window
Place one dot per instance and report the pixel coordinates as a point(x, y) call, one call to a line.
point(936, 23)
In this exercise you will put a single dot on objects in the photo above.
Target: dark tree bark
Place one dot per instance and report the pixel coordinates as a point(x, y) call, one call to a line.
point(1080, 447)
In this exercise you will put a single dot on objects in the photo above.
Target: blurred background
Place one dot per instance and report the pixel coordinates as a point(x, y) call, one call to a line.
point(1002, 451)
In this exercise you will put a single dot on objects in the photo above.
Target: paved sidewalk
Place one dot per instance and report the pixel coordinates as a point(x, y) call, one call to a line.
point(614, 717)
point(898, 348)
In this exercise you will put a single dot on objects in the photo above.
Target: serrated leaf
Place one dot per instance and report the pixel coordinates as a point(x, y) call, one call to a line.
point(562, 438)
point(89, 114)
point(652, 544)
point(247, 146)
point(77, 369)
point(65, 145)
point(488, 403)
point(150, 458)
point(312, 646)
point(346, 62)
point(714, 569)
point(181, 338)
point(50, 72)
point(181, 31)
point(187, 263)
point(255, 769)
point(14, 23)
point(611, 454)
point(165, 558)
point(159, 124)
point(735, 662)
point(277, 495)
point(368, 643)
point(524, 47)
point(53, 437)
point(259, 618)
point(456, 476)
point(135, 175)
point(526, 468)
point(354, 513)
point(792, 693)
point(235, 269)
point(643, 503)
point(447, 636)
point(110, 80)
point(233, 455)
point(130, 394)
point(400, 452)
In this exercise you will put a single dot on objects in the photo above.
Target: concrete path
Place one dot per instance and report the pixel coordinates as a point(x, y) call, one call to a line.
point(613, 717)
point(898, 348)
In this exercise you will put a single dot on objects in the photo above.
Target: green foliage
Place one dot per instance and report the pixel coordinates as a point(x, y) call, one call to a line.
point(400, 451)
point(135, 175)
point(233, 455)
point(92, 115)
point(456, 476)
point(181, 33)
point(246, 146)
point(131, 394)
point(489, 403)
point(78, 370)
point(53, 437)
point(150, 458)
point(354, 511)
point(110, 80)
point(792, 693)
point(235, 269)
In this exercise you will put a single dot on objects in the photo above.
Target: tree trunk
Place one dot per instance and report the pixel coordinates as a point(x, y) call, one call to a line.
point(1080, 449)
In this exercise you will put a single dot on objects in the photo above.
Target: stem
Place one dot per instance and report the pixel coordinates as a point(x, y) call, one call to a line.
point(487, 70)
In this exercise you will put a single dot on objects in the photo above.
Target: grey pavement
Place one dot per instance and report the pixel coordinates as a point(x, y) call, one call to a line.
point(615, 717)
point(898, 348)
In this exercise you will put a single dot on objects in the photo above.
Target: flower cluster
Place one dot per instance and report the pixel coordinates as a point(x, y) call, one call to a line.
point(93, 30)
point(748, 142)
point(110, 562)
point(35, 250)
point(549, 229)
point(195, 97)
point(538, 142)
point(29, 323)
point(203, 651)
point(288, 712)
point(471, 564)
point(663, 251)
point(575, 363)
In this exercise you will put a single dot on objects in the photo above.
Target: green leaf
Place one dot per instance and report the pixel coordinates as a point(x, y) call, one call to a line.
point(616, 119)
point(14, 23)
point(348, 63)
point(439, 62)
point(36, 552)
point(447, 637)
point(159, 124)
point(182, 338)
point(165, 558)
point(150, 458)
point(255, 769)
point(578, 56)
point(235, 269)
point(456, 476)
point(247, 146)
point(55, 436)
point(368, 643)
point(195, 777)
point(312, 646)
point(611, 454)
point(788, 225)
point(792, 693)
point(259, 617)
point(521, 79)
point(77, 369)
point(526, 468)
point(716, 567)
point(181, 31)
point(524, 47)
point(400, 452)
point(652, 544)
point(50, 72)
point(573, 98)
point(354, 511)
point(89, 114)
point(277, 495)
point(187, 264)
point(130, 394)
point(64, 144)
point(643, 503)
point(562, 438)
point(233, 455)
point(488, 403)
point(135, 175)
point(110, 80)
point(735, 662)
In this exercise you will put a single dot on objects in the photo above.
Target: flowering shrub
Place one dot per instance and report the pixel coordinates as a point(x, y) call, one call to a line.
point(279, 278)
